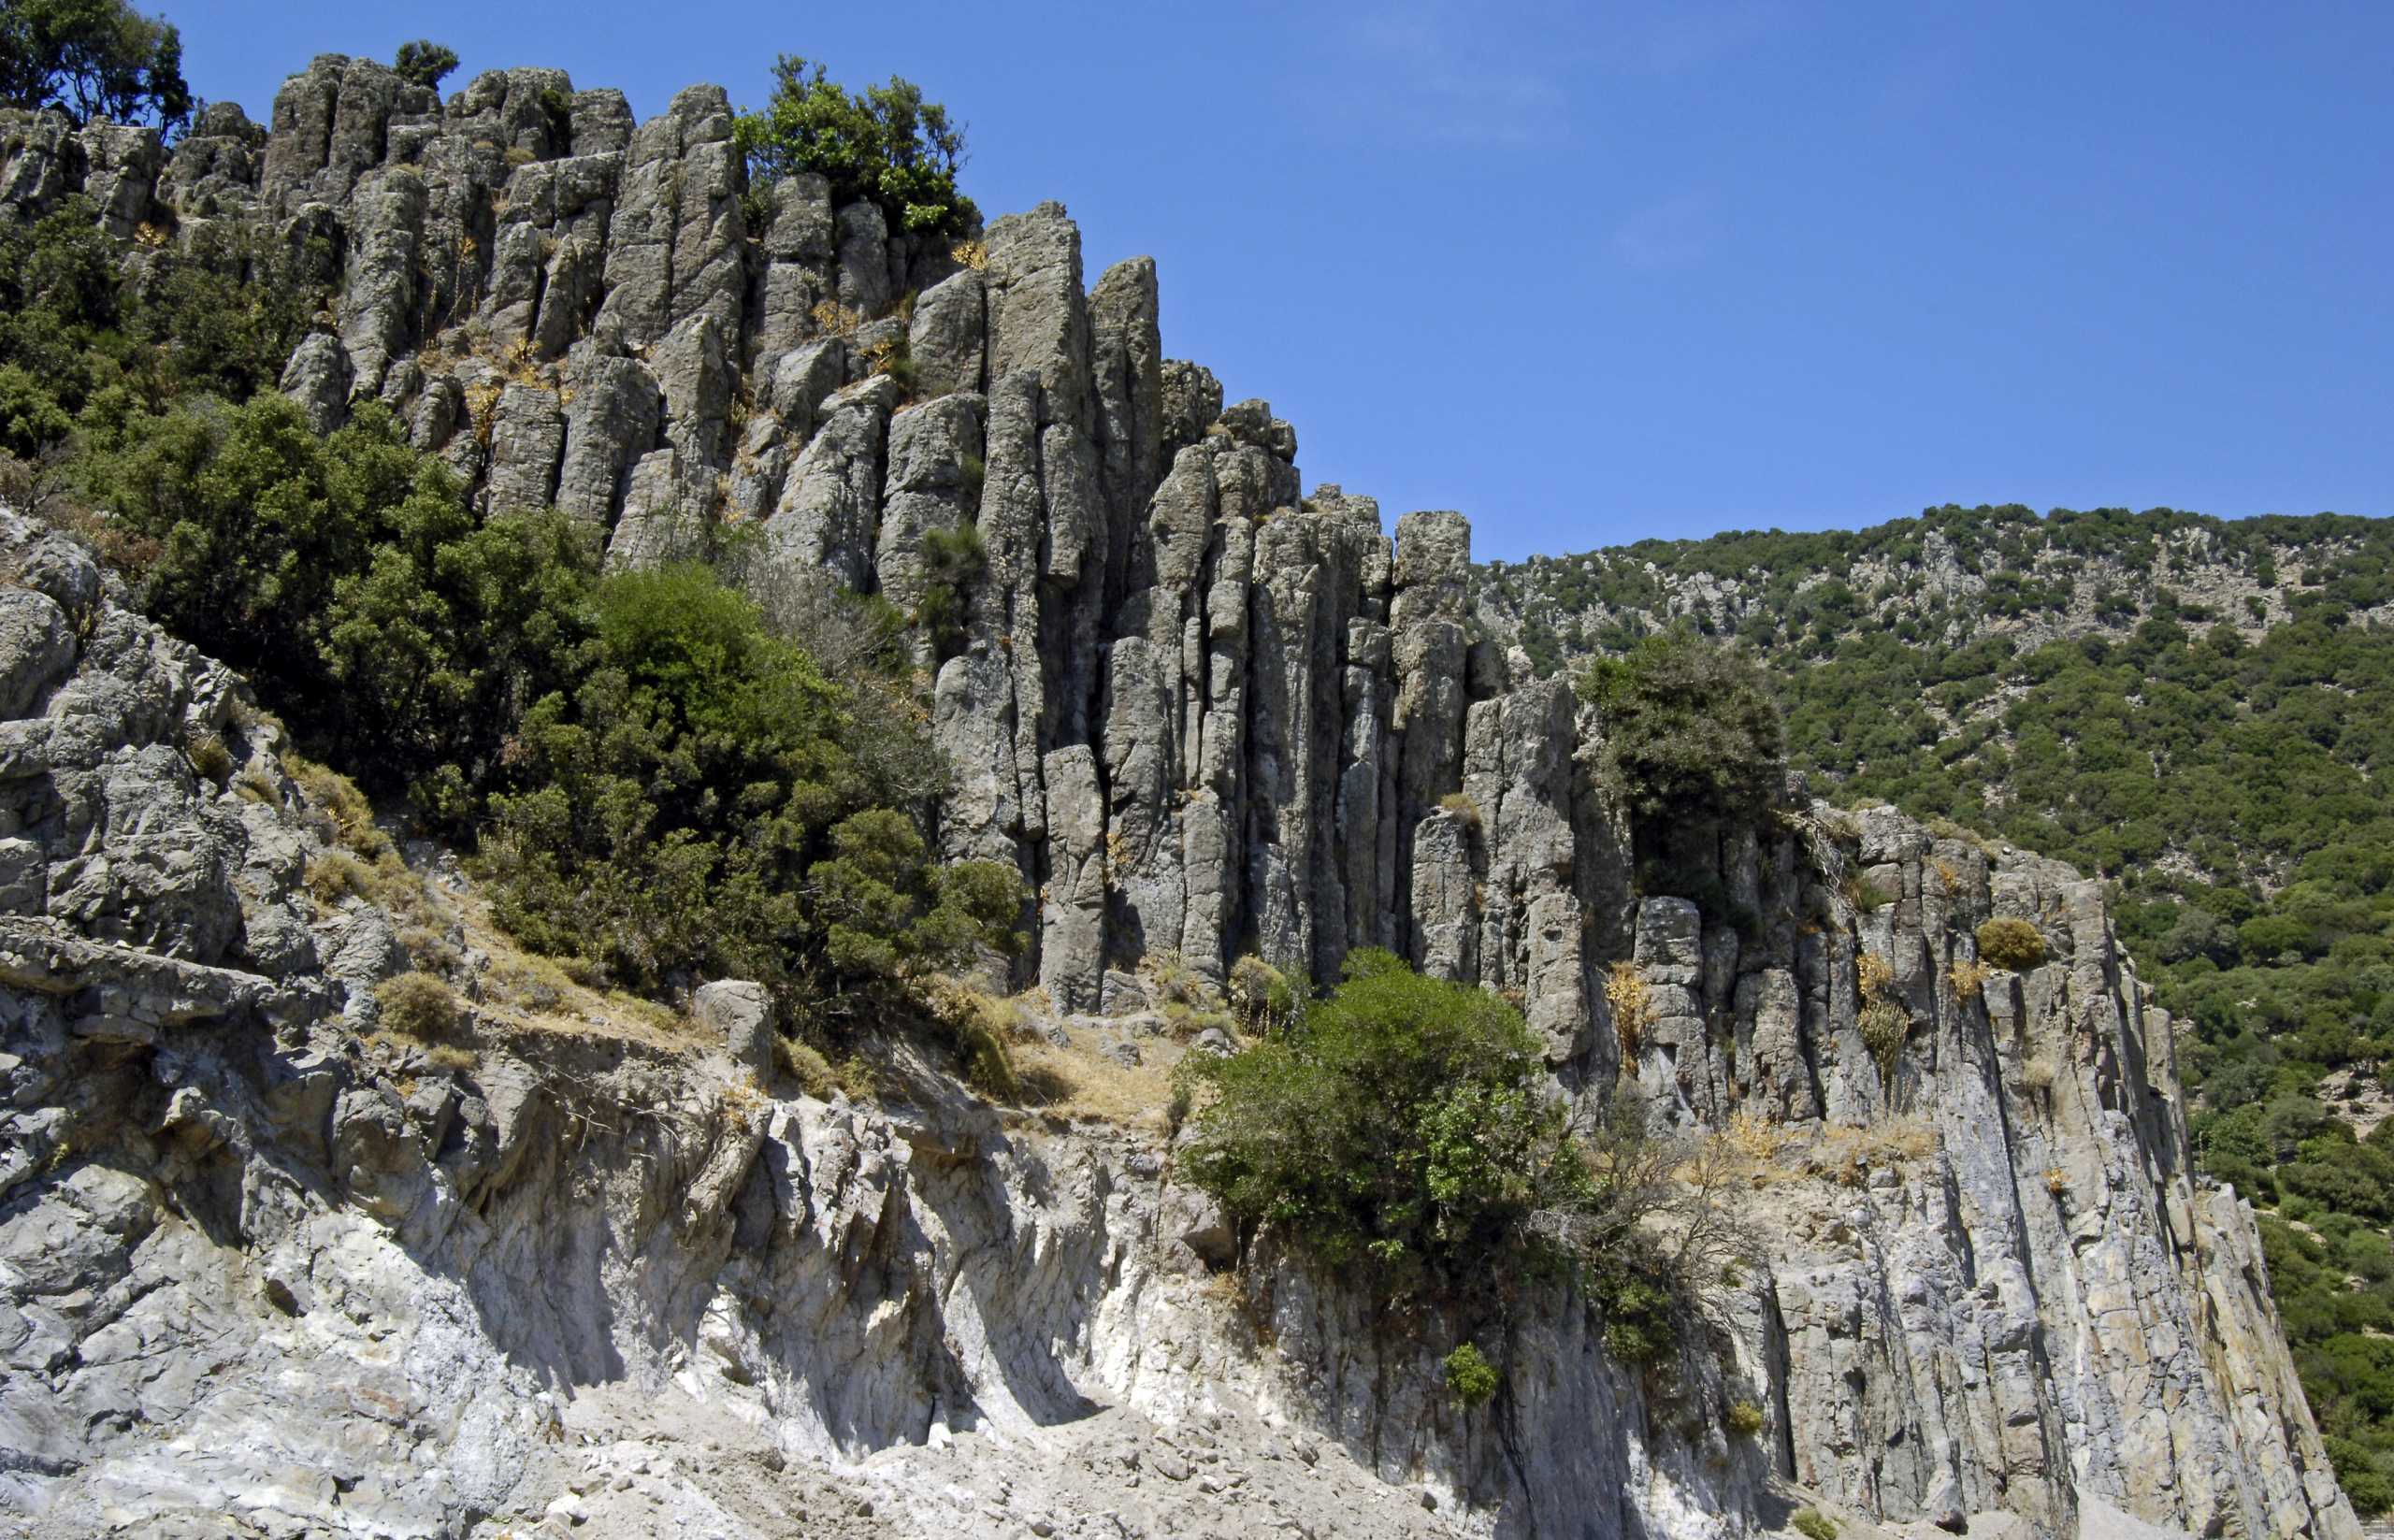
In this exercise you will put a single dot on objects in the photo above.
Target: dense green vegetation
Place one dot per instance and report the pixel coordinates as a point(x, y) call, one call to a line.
point(218, 316)
point(93, 59)
point(1690, 735)
point(2226, 784)
point(656, 778)
point(1401, 1130)
point(884, 145)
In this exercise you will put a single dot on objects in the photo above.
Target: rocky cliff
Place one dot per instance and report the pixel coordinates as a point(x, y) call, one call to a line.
point(253, 1263)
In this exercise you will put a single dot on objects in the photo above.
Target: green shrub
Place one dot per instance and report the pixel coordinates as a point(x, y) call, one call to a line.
point(417, 1005)
point(1432, 1157)
point(1812, 1524)
point(424, 63)
point(1689, 731)
point(1743, 1419)
point(1430, 1139)
point(886, 145)
point(95, 60)
point(953, 561)
point(654, 780)
point(217, 314)
point(2014, 944)
point(2362, 1475)
point(1471, 1379)
point(697, 803)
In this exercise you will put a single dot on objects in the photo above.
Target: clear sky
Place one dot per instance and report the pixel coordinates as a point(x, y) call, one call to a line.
point(1598, 272)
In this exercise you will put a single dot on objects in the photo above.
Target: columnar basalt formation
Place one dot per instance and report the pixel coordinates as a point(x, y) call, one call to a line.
point(1206, 712)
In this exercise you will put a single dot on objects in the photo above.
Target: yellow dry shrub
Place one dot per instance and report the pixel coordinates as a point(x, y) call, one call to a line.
point(836, 319)
point(1968, 978)
point(1872, 974)
point(1632, 1000)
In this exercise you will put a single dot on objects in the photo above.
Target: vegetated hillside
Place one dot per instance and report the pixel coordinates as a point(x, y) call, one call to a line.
point(2200, 710)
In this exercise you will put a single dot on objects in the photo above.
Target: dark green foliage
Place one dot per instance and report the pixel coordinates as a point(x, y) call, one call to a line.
point(1689, 730)
point(95, 60)
point(347, 578)
point(953, 561)
point(695, 804)
point(218, 316)
point(1400, 1126)
point(658, 782)
point(424, 63)
point(886, 145)
point(1471, 1379)
point(1402, 1130)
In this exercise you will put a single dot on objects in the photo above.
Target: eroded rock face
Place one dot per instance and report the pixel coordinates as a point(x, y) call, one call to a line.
point(1206, 714)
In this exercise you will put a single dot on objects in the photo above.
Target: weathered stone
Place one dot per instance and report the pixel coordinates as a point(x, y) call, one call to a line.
point(740, 1016)
point(318, 376)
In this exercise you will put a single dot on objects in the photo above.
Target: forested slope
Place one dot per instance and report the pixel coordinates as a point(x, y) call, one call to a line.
point(2201, 710)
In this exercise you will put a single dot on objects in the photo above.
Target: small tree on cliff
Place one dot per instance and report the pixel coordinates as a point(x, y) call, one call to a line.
point(886, 146)
point(1689, 731)
point(424, 63)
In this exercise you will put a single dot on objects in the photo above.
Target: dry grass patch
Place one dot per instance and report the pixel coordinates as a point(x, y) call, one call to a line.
point(1079, 1082)
point(1632, 1000)
point(1847, 1155)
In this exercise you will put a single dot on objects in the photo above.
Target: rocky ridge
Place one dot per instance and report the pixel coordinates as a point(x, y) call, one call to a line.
point(1947, 579)
point(252, 1267)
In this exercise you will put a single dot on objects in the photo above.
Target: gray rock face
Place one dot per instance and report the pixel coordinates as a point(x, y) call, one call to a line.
point(318, 378)
point(739, 1015)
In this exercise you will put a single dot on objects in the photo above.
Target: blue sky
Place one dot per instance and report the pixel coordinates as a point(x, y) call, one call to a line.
point(1595, 273)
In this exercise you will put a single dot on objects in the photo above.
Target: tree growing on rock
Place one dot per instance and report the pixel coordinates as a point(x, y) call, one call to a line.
point(424, 63)
point(1689, 732)
point(93, 59)
point(884, 145)
point(1402, 1127)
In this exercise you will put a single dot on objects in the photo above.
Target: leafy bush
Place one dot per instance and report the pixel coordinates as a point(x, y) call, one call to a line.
point(953, 561)
point(218, 314)
point(886, 145)
point(1401, 1124)
point(1402, 1127)
point(424, 63)
point(1744, 1418)
point(695, 804)
point(92, 60)
point(1471, 1379)
point(1812, 1524)
point(2014, 944)
point(348, 579)
point(656, 780)
point(1689, 731)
